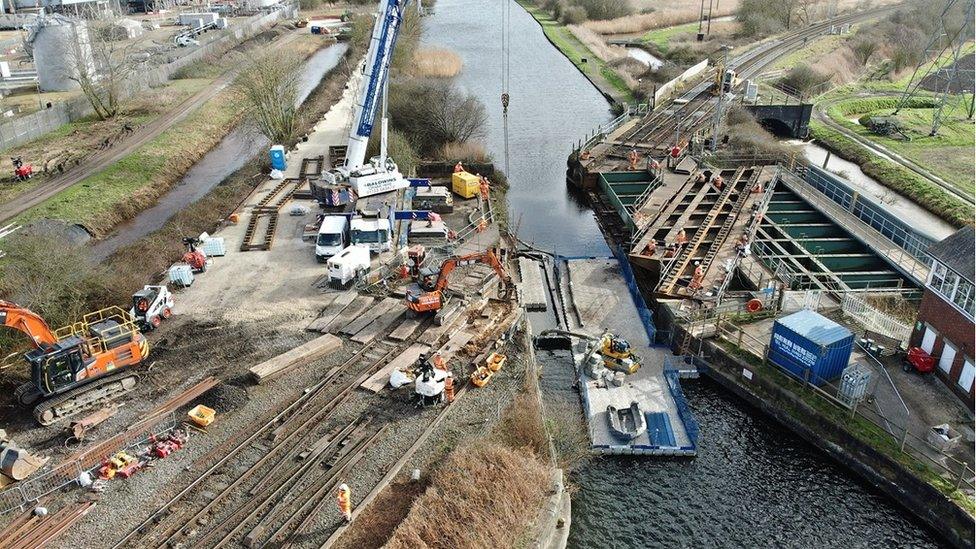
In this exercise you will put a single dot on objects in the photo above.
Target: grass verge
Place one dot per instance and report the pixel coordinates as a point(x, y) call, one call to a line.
point(860, 427)
point(895, 177)
point(661, 37)
point(119, 192)
point(948, 154)
point(597, 71)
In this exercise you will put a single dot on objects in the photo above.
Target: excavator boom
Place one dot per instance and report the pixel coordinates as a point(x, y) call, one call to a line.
point(19, 318)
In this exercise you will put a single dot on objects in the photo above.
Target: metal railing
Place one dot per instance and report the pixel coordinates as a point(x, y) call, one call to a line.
point(873, 319)
point(902, 439)
point(600, 132)
point(29, 491)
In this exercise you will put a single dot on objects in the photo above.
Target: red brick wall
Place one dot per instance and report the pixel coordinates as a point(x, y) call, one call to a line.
point(953, 326)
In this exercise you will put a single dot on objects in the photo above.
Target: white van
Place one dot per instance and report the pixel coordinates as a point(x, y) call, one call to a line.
point(371, 231)
point(332, 237)
point(348, 265)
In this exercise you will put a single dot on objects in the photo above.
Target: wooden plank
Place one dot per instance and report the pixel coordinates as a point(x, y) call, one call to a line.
point(405, 329)
point(331, 311)
point(378, 381)
point(311, 350)
point(373, 329)
point(434, 333)
point(455, 344)
point(370, 314)
point(349, 314)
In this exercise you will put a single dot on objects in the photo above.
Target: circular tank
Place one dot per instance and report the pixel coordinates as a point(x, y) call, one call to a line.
point(60, 49)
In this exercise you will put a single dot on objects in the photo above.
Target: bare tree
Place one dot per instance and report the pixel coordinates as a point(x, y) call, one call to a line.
point(864, 48)
point(98, 58)
point(269, 87)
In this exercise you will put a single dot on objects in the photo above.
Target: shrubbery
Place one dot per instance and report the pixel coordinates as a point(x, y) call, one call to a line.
point(433, 113)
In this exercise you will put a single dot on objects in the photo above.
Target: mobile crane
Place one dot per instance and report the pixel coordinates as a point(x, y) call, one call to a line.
point(427, 295)
point(381, 174)
point(79, 366)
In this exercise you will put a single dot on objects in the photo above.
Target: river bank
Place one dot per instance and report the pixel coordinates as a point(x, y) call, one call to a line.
point(738, 442)
point(118, 192)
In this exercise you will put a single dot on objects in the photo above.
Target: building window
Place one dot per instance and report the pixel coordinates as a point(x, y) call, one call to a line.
point(943, 280)
point(966, 377)
point(964, 297)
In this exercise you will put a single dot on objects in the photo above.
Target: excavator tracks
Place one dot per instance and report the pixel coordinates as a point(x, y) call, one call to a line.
point(83, 398)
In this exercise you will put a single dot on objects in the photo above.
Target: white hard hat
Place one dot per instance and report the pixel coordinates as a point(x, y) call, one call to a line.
point(697, 263)
point(344, 487)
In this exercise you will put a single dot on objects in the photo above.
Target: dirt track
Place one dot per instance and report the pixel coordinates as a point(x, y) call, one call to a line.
point(139, 137)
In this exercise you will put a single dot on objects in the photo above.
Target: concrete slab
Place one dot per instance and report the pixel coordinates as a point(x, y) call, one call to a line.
point(531, 287)
point(599, 293)
point(383, 321)
point(379, 380)
point(373, 312)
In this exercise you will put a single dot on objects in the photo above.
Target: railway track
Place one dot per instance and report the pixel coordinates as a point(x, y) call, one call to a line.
point(267, 485)
point(660, 126)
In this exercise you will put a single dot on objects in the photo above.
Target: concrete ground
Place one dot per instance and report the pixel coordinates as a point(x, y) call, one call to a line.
point(901, 398)
point(603, 301)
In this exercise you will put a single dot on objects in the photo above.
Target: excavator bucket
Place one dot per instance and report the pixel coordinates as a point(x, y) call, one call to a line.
point(18, 463)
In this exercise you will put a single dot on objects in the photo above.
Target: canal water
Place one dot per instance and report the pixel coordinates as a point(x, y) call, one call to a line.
point(753, 484)
point(551, 107)
point(234, 150)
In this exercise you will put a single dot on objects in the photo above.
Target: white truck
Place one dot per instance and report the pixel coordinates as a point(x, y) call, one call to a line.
point(332, 237)
point(348, 265)
point(373, 232)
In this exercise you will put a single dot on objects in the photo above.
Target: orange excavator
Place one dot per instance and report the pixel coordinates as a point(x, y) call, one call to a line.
point(428, 294)
point(80, 366)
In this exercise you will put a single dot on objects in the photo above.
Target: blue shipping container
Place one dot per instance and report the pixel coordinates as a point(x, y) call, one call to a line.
point(278, 157)
point(807, 341)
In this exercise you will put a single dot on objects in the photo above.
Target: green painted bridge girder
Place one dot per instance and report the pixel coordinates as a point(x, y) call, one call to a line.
point(786, 206)
point(840, 263)
point(629, 188)
point(831, 245)
point(792, 217)
point(812, 230)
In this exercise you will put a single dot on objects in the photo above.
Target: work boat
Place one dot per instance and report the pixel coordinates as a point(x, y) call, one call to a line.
point(627, 423)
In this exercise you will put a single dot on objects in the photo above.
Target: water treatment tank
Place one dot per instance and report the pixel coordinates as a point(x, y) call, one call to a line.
point(810, 346)
point(61, 47)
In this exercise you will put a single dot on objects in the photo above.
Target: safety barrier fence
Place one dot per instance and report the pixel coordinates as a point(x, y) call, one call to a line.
point(31, 126)
point(881, 407)
point(873, 319)
point(600, 132)
point(643, 312)
point(29, 491)
point(672, 377)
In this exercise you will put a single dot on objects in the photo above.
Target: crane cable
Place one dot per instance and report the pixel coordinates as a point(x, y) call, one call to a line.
point(506, 71)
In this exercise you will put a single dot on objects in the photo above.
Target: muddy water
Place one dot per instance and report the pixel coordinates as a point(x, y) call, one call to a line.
point(233, 151)
point(644, 57)
point(551, 107)
point(754, 484)
point(922, 220)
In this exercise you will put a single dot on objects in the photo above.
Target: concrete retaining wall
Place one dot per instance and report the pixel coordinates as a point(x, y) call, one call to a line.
point(921, 499)
point(668, 88)
point(31, 126)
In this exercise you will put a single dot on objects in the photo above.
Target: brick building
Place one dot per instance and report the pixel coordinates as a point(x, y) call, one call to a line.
point(945, 327)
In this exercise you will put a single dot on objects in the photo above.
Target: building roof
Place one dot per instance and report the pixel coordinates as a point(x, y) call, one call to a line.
point(958, 252)
point(814, 327)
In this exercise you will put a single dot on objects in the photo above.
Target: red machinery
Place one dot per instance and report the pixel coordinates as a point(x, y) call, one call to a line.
point(917, 360)
point(193, 257)
point(427, 296)
point(22, 171)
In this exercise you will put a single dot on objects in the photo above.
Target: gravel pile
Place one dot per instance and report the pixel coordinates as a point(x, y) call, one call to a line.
point(224, 398)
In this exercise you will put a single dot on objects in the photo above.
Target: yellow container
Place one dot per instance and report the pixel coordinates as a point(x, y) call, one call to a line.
point(201, 415)
point(465, 185)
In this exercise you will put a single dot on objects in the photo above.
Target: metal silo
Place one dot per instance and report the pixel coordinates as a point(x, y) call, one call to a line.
point(61, 47)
